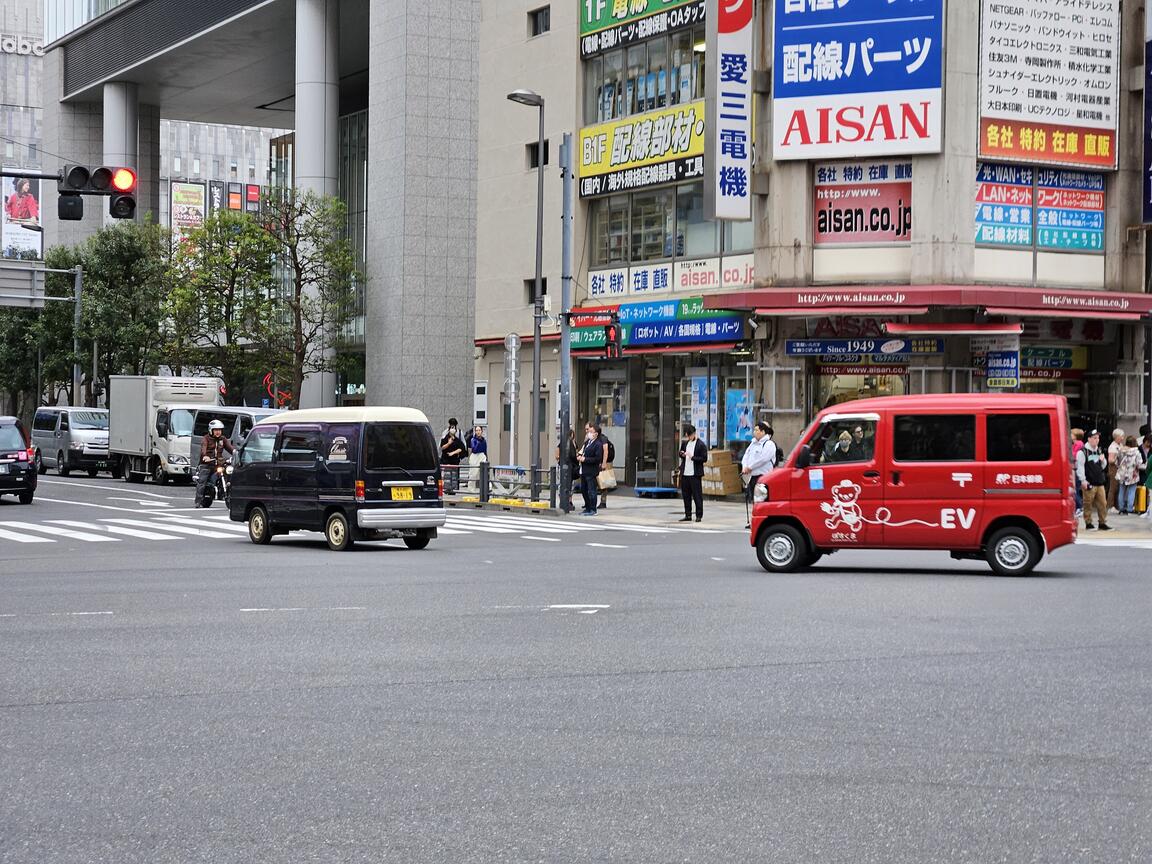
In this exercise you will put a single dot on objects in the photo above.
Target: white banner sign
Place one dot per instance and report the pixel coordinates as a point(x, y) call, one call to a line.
point(728, 156)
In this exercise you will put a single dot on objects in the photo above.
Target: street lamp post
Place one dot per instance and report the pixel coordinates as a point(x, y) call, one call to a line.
point(535, 100)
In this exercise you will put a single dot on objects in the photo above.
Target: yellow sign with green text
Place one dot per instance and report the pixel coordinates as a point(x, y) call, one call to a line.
point(663, 146)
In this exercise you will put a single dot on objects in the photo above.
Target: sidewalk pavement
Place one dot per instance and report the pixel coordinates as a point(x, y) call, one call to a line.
point(728, 514)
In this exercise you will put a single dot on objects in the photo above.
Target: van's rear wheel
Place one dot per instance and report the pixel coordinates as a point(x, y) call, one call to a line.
point(781, 549)
point(1012, 552)
point(338, 532)
point(417, 542)
point(40, 467)
point(259, 531)
point(92, 472)
point(62, 465)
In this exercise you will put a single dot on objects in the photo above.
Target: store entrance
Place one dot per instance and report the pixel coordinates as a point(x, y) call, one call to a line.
point(834, 385)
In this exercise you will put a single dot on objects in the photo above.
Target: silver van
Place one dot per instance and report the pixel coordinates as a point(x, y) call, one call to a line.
point(237, 419)
point(71, 439)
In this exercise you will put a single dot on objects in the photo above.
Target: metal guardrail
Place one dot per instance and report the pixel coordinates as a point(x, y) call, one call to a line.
point(494, 483)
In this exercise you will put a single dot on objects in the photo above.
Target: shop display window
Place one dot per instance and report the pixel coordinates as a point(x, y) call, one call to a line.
point(666, 70)
point(610, 230)
point(652, 224)
point(696, 237)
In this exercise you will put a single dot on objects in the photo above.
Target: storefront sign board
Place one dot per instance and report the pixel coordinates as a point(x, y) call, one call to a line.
point(1146, 206)
point(735, 271)
point(879, 347)
point(606, 284)
point(695, 330)
point(728, 156)
point(1003, 369)
point(650, 279)
point(607, 24)
point(1003, 205)
point(650, 149)
point(862, 369)
point(860, 78)
point(20, 229)
point(187, 208)
point(1050, 81)
point(1069, 210)
point(862, 203)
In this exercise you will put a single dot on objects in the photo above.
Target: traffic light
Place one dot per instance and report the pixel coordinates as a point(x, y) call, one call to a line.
point(612, 339)
point(117, 182)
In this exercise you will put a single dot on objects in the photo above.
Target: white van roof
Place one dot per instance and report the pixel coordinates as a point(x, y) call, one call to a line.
point(368, 414)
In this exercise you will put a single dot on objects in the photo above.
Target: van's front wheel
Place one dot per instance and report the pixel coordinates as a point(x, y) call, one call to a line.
point(417, 542)
point(1012, 552)
point(338, 532)
point(259, 531)
point(781, 549)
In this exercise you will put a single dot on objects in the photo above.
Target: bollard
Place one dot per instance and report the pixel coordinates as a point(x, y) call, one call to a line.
point(484, 489)
point(552, 487)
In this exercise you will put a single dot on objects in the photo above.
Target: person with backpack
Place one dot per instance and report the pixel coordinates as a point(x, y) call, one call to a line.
point(609, 459)
point(758, 460)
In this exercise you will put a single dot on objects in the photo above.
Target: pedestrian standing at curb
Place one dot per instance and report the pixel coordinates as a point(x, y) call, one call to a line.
point(452, 450)
point(1113, 464)
point(1092, 472)
point(609, 458)
point(572, 451)
point(693, 455)
point(591, 459)
point(1128, 467)
point(1077, 446)
point(758, 459)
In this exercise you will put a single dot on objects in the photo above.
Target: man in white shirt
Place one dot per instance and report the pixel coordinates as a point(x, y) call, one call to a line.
point(759, 459)
point(693, 455)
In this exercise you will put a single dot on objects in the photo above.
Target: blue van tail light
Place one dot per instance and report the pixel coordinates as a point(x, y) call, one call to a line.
point(360, 491)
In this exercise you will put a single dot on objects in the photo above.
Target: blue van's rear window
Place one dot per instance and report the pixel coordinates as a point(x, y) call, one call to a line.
point(399, 445)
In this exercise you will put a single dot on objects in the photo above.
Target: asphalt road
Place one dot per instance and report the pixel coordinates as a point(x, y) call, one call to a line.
point(516, 694)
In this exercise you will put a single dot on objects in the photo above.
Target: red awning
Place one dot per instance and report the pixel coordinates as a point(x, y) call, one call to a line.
point(893, 328)
point(818, 300)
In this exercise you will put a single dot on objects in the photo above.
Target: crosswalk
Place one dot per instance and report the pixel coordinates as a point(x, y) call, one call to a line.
point(160, 527)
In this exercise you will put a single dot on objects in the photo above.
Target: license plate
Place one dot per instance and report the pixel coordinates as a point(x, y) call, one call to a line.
point(401, 493)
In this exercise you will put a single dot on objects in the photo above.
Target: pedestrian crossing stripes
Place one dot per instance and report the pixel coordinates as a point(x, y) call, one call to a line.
point(167, 527)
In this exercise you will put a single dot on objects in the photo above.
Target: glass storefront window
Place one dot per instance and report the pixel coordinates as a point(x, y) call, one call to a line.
point(738, 236)
point(657, 74)
point(681, 70)
point(610, 230)
point(636, 84)
point(695, 236)
point(593, 83)
point(652, 215)
point(611, 92)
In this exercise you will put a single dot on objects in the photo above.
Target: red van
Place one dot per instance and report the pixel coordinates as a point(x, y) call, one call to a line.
point(978, 475)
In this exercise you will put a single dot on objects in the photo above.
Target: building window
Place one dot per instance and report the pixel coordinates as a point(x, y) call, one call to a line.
point(610, 230)
point(175, 164)
point(533, 154)
point(540, 21)
point(196, 167)
point(652, 225)
point(667, 70)
point(738, 236)
point(251, 171)
point(530, 288)
point(234, 171)
point(695, 236)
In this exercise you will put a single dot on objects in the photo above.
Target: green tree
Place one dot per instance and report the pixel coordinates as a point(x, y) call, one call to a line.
point(221, 312)
point(126, 277)
point(317, 297)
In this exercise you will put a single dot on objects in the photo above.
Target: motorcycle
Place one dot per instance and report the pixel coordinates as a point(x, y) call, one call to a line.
point(217, 484)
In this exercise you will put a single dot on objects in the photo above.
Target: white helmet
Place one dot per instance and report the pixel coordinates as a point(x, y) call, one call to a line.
point(216, 424)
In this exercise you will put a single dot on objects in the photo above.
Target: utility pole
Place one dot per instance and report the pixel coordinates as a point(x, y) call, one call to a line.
point(77, 293)
point(565, 467)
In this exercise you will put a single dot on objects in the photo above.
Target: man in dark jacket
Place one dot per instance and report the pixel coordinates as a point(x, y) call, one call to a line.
point(213, 446)
point(591, 459)
point(693, 455)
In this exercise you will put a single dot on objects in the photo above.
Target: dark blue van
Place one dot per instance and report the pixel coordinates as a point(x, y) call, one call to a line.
point(353, 473)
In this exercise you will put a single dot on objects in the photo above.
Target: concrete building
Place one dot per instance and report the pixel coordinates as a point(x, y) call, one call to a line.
point(382, 98)
point(870, 266)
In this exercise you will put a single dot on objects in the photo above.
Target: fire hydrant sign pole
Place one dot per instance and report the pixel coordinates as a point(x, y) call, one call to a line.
point(512, 388)
point(728, 109)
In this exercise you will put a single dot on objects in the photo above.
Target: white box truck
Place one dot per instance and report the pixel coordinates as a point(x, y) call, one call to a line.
point(150, 423)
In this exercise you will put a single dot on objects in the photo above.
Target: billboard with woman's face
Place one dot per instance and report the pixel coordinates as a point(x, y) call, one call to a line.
point(21, 235)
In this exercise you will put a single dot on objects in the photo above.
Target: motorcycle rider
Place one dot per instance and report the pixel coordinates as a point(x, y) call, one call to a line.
point(212, 449)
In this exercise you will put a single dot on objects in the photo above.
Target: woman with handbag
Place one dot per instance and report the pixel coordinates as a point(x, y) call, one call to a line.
point(606, 481)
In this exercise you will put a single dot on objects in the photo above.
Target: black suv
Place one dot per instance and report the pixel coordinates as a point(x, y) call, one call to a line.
point(17, 468)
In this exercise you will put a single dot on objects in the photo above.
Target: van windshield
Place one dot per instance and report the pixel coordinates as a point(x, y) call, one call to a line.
point(180, 422)
point(399, 445)
point(89, 420)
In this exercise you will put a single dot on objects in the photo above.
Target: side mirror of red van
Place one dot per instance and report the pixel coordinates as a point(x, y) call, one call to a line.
point(804, 457)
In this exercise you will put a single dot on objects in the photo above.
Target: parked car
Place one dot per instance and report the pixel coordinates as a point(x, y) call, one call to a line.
point(17, 468)
point(353, 473)
point(981, 476)
point(71, 439)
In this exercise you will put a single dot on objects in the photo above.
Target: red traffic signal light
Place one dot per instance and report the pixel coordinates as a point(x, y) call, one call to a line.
point(612, 340)
point(123, 179)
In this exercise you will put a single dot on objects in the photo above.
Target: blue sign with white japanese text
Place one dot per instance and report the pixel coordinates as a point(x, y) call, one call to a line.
point(1069, 210)
point(1003, 205)
point(1002, 369)
point(692, 330)
point(856, 78)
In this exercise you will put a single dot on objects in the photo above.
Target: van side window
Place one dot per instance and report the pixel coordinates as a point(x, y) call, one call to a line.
point(245, 425)
point(341, 444)
point(259, 446)
point(1019, 438)
point(934, 438)
point(64, 422)
point(44, 421)
point(846, 440)
point(200, 427)
point(300, 445)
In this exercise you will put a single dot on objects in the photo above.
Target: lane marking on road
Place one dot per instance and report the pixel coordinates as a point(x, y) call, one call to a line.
point(523, 523)
point(578, 608)
point(23, 538)
point(63, 532)
point(87, 504)
point(106, 488)
point(606, 545)
point(178, 529)
point(491, 529)
point(717, 559)
point(542, 539)
point(198, 523)
point(51, 614)
point(1117, 543)
point(304, 609)
point(143, 502)
point(114, 529)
